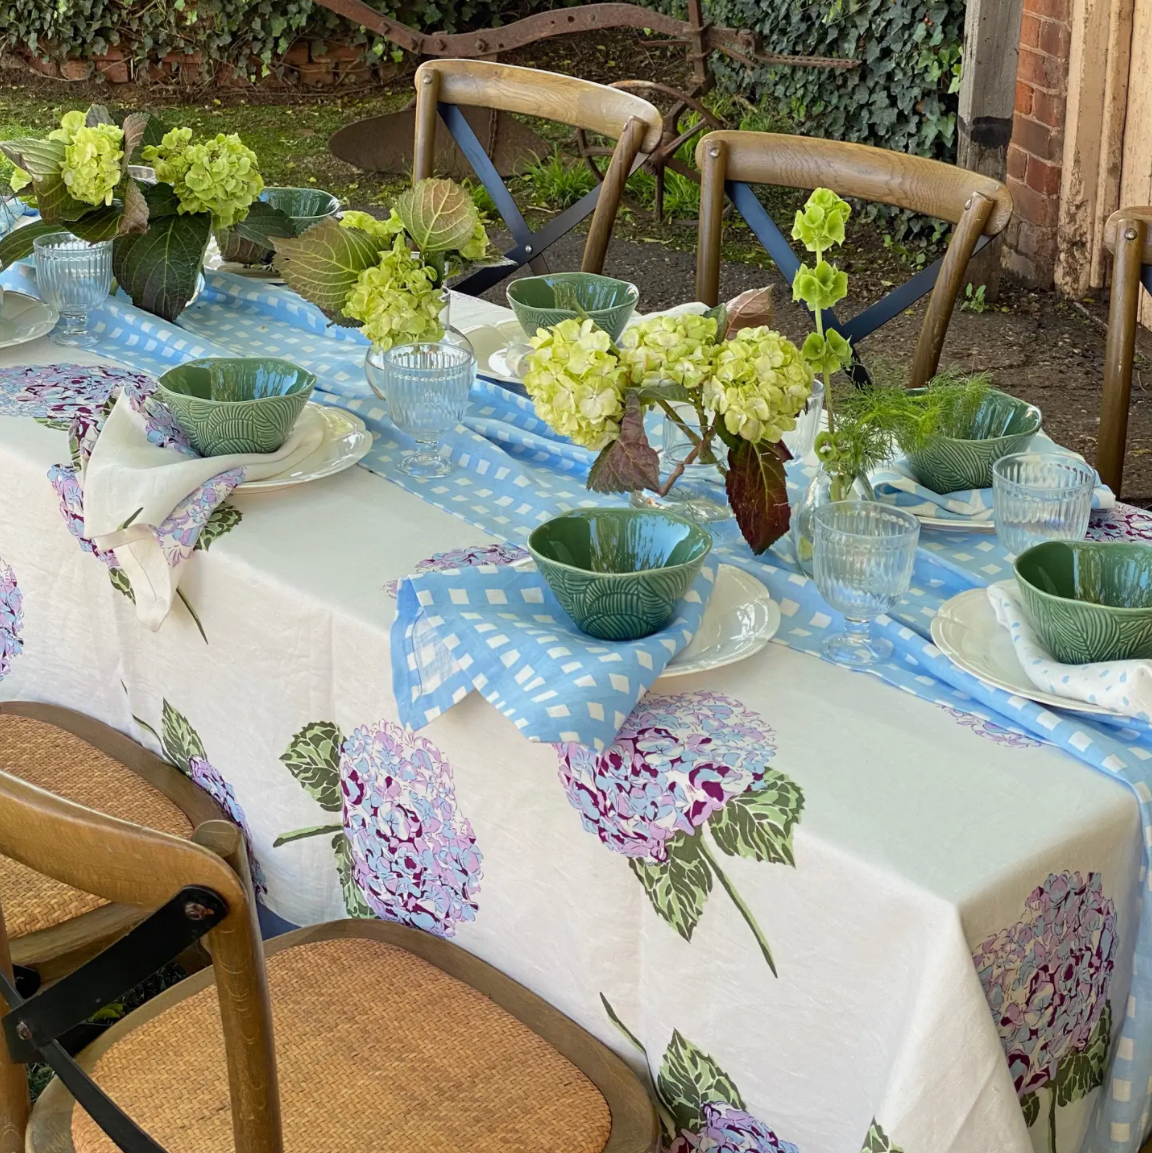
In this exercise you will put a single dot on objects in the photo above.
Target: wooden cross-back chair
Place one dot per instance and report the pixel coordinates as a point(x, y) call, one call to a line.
point(980, 207)
point(1128, 236)
point(340, 1038)
point(444, 86)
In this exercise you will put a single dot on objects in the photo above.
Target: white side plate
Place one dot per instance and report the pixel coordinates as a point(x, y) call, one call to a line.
point(741, 618)
point(965, 630)
point(24, 318)
point(345, 442)
point(488, 342)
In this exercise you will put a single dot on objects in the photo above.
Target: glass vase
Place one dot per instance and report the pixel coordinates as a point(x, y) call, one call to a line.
point(698, 492)
point(816, 495)
point(452, 335)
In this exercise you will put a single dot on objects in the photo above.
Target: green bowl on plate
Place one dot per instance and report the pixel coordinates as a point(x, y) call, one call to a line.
point(542, 301)
point(236, 404)
point(1089, 600)
point(619, 573)
point(1001, 426)
point(303, 206)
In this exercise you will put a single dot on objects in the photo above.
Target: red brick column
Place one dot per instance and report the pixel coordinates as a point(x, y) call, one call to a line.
point(1036, 149)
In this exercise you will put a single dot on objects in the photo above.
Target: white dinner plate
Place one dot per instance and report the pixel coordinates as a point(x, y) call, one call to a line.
point(489, 342)
point(24, 318)
point(345, 442)
point(741, 618)
point(956, 525)
point(966, 631)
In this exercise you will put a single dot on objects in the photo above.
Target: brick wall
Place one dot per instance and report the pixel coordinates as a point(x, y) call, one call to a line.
point(1034, 154)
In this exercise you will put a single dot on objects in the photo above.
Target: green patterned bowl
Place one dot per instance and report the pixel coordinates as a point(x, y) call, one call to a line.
point(236, 404)
point(619, 573)
point(1089, 601)
point(303, 206)
point(542, 301)
point(1002, 425)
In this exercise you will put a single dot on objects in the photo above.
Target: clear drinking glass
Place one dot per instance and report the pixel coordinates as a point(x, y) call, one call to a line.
point(426, 387)
point(802, 438)
point(74, 277)
point(862, 563)
point(1040, 496)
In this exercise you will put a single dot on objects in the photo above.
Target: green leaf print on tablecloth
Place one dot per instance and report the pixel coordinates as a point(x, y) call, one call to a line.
point(403, 852)
point(688, 1078)
point(685, 773)
point(877, 1142)
point(1080, 1073)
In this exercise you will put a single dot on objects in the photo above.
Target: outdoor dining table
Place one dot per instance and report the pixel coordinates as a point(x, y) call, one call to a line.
point(943, 877)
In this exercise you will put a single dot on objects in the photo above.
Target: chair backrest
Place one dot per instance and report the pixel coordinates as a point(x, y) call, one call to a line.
point(444, 86)
point(133, 865)
point(1128, 236)
point(980, 207)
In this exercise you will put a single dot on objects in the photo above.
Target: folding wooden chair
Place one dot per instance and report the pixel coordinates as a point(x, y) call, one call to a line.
point(980, 207)
point(53, 927)
point(341, 1038)
point(1128, 236)
point(444, 86)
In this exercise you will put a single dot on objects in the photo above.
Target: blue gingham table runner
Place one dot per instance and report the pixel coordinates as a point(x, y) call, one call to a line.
point(500, 631)
point(513, 473)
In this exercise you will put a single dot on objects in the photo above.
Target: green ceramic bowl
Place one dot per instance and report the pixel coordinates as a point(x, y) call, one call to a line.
point(236, 404)
point(542, 301)
point(1002, 425)
point(1089, 601)
point(305, 207)
point(620, 573)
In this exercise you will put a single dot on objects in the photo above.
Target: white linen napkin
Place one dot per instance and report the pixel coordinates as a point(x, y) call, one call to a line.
point(147, 502)
point(1123, 686)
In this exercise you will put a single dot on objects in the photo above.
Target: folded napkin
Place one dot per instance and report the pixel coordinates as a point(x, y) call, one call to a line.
point(895, 484)
point(1123, 686)
point(147, 494)
point(500, 631)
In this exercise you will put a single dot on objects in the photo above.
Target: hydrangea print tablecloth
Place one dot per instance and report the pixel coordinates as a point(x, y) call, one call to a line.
point(818, 912)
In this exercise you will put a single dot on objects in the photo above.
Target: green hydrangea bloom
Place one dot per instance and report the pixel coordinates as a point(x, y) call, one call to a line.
point(676, 348)
point(396, 300)
point(19, 179)
point(820, 224)
point(576, 382)
point(477, 247)
point(820, 287)
point(826, 353)
point(70, 124)
point(760, 381)
point(217, 176)
point(382, 229)
point(92, 160)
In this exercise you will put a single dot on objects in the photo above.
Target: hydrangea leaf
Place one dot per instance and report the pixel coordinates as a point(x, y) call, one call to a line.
point(324, 262)
point(135, 128)
point(54, 202)
point(750, 309)
point(439, 216)
point(877, 1141)
point(99, 223)
point(1030, 1107)
point(179, 739)
point(18, 243)
point(663, 390)
point(313, 758)
point(224, 518)
point(97, 114)
point(263, 222)
point(133, 218)
point(689, 1078)
point(629, 463)
point(758, 492)
point(121, 583)
point(354, 901)
point(159, 269)
point(39, 158)
point(1080, 1073)
point(679, 886)
point(759, 824)
point(718, 313)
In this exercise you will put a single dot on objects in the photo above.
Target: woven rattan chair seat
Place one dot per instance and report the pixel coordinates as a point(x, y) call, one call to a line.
point(61, 762)
point(376, 1050)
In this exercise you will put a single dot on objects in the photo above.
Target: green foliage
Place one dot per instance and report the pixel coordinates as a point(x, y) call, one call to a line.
point(973, 299)
point(556, 183)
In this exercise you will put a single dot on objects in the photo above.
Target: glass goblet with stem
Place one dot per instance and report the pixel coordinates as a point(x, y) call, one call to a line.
point(864, 554)
point(426, 387)
point(74, 277)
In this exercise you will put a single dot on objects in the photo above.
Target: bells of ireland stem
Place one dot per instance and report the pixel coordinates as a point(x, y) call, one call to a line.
point(824, 488)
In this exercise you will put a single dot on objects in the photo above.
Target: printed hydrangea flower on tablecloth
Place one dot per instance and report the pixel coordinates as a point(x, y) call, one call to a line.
point(1124, 522)
point(11, 618)
point(210, 780)
point(991, 731)
point(1046, 980)
point(63, 480)
point(413, 855)
point(467, 557)
point(680, 765)
point(179, 533)
point(163, 431)
point(731, 1130)
point(58, 393)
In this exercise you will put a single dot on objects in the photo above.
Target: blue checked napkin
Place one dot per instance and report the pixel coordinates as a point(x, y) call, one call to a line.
point(499, 630)
point(894, 484)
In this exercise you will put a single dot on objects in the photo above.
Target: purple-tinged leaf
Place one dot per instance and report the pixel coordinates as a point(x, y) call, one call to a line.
point(758, 492)
point(629, 463)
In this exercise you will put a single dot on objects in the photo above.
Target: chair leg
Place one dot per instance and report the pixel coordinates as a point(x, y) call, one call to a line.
point(612, 189)
point(712, 161)
point(1119, 349)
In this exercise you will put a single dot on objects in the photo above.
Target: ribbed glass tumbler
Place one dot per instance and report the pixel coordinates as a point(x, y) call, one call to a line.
point(1040, 496)
point(74, 277)
point(426, 387)
point(864, 554)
